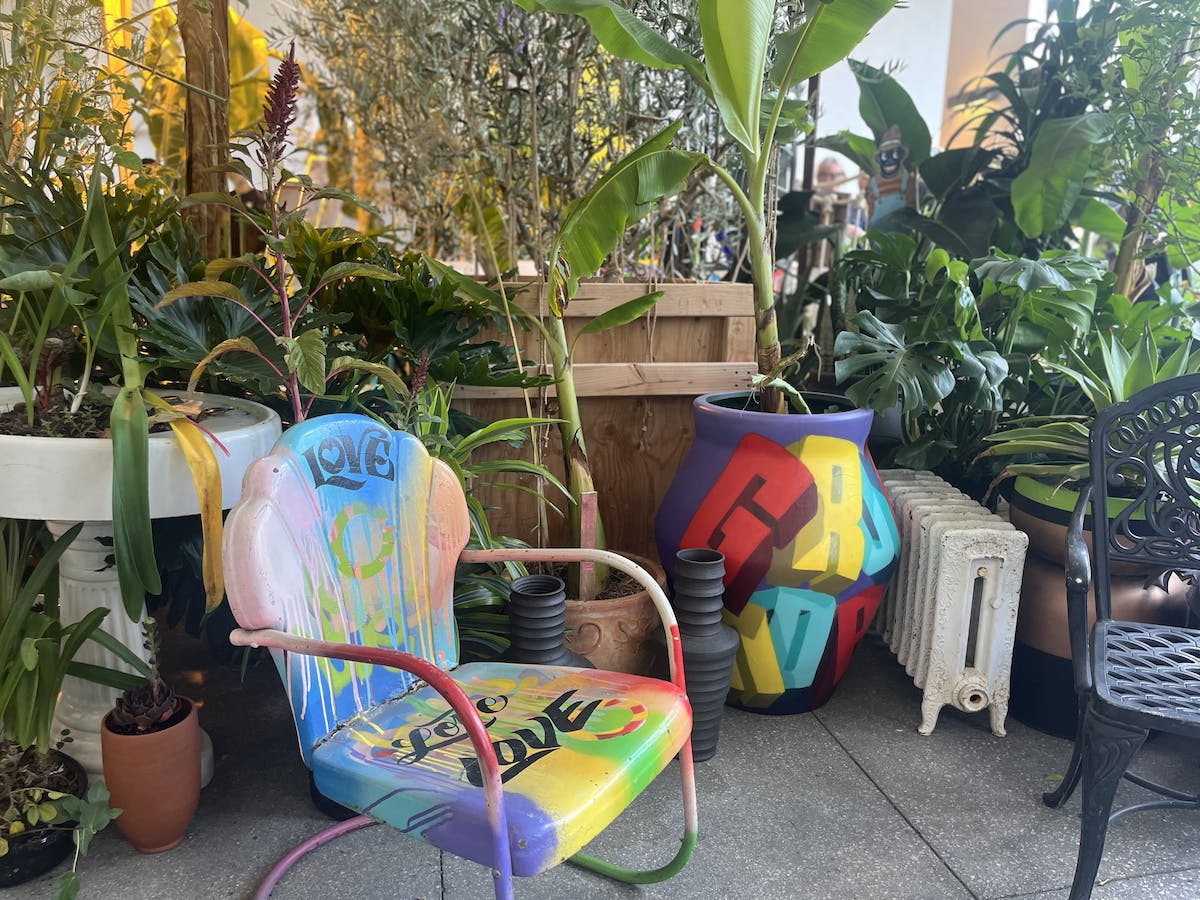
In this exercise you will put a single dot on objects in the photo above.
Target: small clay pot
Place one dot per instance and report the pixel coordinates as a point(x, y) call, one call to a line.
point(154, 779)
point(622, 634)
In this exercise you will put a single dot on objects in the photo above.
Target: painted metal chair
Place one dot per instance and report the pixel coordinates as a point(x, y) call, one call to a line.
point(1132, 677)
point(340, 557)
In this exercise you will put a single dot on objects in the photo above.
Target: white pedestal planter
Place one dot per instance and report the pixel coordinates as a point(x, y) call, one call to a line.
point(69, 480)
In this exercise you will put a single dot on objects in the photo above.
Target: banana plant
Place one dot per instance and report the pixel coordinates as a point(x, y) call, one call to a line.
point(590, 229)
point(754, 103)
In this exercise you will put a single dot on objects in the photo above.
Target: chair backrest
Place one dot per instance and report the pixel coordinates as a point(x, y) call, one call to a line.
point(348, 532)
point(1145, 469)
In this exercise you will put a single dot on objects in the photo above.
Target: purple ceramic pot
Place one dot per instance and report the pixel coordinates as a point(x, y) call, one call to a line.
point(794, 503)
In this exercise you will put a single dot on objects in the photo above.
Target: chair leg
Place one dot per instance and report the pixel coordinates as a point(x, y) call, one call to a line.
point(1057, 797)
point(690, 834)
point(292, 857)
point(1108, 748)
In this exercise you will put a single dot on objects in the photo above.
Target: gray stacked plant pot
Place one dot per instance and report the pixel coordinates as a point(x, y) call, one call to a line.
point(709, 645)
point(537, 615)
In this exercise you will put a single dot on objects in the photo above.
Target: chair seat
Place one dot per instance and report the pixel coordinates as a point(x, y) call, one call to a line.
point(1149, 675)
point(575, 746)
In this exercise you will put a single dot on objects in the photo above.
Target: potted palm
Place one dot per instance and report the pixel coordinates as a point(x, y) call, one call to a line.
point(804, 568)
point(616, 631)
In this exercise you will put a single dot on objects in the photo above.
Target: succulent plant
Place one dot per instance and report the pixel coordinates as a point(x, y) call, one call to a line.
point(150, 706)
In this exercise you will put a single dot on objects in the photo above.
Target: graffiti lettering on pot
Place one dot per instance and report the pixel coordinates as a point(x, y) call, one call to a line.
point(764, 496)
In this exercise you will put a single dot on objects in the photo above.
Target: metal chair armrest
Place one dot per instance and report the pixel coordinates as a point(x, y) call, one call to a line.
point(437, 679)
point(1079, 580)
point(604, 557)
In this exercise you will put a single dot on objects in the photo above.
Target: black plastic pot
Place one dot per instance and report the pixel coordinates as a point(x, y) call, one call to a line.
point(709, 646)
point(36, 852)
point(537, 616)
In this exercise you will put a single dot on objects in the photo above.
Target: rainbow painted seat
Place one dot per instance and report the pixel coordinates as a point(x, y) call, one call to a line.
point(340, 557)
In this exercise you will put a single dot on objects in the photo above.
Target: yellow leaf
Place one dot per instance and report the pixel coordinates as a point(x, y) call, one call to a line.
point(206, 478)
point(16, 827)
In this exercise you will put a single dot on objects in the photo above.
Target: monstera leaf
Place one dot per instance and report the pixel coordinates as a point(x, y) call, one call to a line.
point(890, 370)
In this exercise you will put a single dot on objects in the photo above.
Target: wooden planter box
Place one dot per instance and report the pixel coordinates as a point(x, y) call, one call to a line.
point(636, 384)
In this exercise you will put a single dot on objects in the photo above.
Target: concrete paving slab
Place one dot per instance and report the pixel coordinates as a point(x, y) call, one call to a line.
point(783, 814)
point(1165, 886)
point(977, 798)
point(843, 804)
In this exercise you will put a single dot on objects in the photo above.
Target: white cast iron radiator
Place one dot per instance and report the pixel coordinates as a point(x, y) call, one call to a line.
point(950, 612)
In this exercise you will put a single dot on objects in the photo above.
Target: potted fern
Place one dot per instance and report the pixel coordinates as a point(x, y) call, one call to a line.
point(150, 744)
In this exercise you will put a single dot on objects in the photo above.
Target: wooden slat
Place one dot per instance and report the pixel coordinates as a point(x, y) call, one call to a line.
point(638, 380)
point(698, 300)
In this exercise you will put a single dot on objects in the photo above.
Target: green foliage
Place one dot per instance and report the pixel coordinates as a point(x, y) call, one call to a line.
point(954, 343)
point(738, 38)
point(1060, 163)
point(36, 649)
point(1126, 348)
point(480, 590)
point(593, 224)
point(481, 123)
point(882, 103)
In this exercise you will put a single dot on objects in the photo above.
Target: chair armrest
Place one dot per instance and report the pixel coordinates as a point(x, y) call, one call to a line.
point(437, 679)
point(1079, 580)
point(608, 558)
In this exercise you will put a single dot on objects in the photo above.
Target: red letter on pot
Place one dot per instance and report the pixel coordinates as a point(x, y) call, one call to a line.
point(762, 498)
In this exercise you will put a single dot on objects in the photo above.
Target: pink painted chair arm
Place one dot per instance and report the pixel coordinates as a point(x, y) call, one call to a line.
point(608, 558)
point(441, 682)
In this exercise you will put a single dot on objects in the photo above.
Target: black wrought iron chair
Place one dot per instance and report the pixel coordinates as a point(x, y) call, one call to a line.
point(1132, 677)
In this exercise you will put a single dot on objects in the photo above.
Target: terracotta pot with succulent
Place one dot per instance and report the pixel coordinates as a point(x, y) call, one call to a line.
point(44, 793)
point(151, 748)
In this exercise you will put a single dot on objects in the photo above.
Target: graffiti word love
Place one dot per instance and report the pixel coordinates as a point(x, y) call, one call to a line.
point(337, 458)
point(516, 753)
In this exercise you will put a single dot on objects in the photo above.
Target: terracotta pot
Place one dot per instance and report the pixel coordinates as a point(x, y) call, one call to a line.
point(622, 634)
point(155, 780)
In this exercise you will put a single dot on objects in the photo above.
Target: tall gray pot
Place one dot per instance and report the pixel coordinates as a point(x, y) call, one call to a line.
point(709, 646)
point(537, 615)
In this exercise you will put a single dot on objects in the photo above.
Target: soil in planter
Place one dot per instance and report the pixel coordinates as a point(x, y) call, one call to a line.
point(37, 850)
point(619, 584)
point(57, 420)
point(90, 421)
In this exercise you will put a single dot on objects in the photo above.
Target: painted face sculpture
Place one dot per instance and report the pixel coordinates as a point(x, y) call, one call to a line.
point(893, 188)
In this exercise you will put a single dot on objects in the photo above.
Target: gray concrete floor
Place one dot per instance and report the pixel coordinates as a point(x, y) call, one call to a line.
point(846, 802)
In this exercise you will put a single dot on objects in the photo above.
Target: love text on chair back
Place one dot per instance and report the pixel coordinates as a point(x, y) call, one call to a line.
point(347, 532)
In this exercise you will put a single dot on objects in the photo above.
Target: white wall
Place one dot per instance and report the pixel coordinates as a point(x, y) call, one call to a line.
point(917, 40)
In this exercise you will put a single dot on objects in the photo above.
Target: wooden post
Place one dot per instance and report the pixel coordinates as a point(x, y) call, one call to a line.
point(204, 29)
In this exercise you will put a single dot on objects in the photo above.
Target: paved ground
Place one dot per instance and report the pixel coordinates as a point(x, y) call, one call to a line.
point(847, 802)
